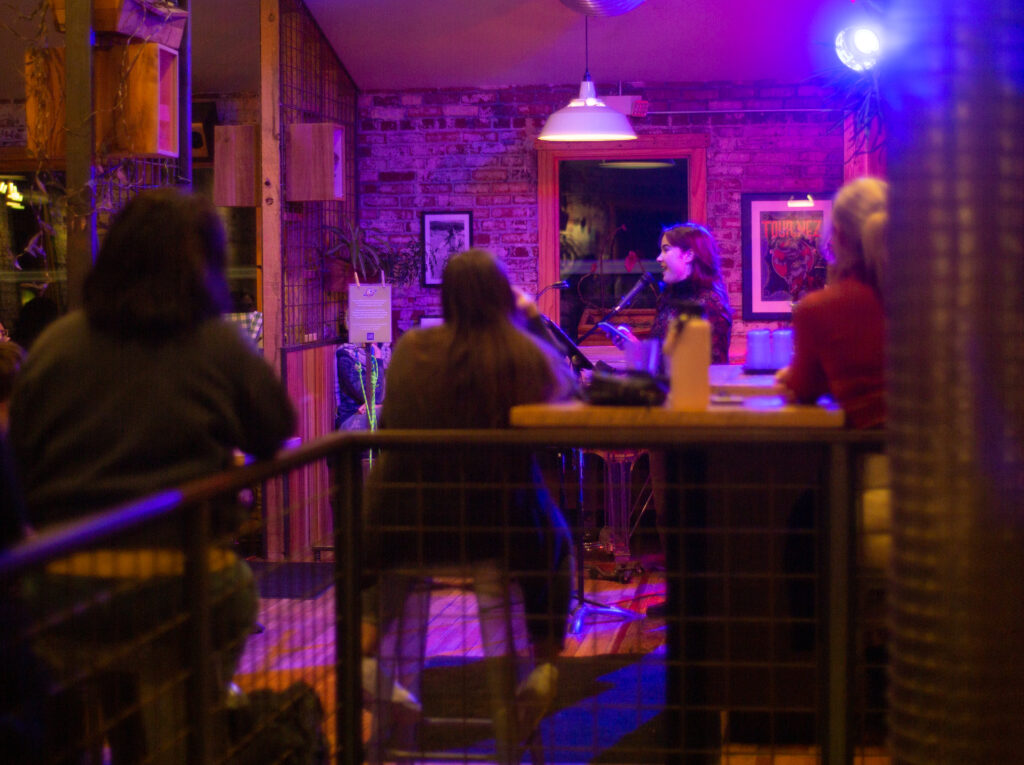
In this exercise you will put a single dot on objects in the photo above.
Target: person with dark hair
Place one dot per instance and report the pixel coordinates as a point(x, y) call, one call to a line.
point(144, 389)
point(468, 373)
point(691, 273)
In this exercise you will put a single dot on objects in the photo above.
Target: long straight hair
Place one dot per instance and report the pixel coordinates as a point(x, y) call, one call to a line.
point(160, 270)
point(490, 357)
point(707, 263)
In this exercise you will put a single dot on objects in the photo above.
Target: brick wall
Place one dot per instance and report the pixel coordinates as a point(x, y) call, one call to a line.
point(473, 150)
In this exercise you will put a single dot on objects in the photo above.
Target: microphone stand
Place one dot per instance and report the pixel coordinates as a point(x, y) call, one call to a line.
point(649, 278)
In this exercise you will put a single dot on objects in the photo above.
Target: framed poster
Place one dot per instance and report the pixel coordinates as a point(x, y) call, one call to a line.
point(784, 237)
point(444, 234)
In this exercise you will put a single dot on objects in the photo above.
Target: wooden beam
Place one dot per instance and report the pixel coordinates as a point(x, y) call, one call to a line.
point(268, 254)
point(79, 116)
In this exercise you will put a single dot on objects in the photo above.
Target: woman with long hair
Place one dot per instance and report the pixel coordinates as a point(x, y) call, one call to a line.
point(467, 506)
point(839, 331)
point(691, 273)
point(144, 389)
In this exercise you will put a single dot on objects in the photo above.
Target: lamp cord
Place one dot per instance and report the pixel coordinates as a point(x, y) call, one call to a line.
point(586, 47)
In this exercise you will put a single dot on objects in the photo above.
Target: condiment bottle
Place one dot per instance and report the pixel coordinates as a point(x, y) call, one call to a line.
point(687, 352)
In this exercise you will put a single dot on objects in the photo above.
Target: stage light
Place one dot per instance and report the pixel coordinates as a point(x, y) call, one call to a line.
point(858, 47)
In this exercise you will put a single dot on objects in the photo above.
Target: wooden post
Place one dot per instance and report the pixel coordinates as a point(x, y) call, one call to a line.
point(185, 102)
point(268, 221)
point(82, 243)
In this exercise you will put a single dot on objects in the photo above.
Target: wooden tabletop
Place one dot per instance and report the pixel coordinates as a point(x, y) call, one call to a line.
point(750, 412)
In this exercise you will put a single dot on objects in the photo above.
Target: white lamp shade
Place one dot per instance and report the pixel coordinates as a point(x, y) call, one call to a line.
point(587, 118)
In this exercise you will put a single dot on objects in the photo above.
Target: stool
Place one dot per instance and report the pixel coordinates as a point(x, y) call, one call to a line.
point(619, 509)
point(403, 652)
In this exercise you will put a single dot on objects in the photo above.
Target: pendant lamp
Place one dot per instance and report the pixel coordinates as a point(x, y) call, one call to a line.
point(587, 118)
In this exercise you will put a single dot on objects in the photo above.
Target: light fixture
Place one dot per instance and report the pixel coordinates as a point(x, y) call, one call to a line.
point(808, 202)
point(587, 118)
point(858, 47)
point(636, 164)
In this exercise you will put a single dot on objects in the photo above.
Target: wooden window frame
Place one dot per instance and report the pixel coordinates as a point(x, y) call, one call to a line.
point(691, 147)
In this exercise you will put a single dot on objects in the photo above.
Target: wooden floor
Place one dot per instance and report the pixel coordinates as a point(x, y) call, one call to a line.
point(297, 643)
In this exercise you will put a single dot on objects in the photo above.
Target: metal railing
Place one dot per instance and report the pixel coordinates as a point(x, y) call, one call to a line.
point(195, 508)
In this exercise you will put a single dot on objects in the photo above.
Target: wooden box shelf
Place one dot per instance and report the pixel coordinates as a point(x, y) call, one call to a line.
point(315, 166)
point(141, 20)
point(135, 97)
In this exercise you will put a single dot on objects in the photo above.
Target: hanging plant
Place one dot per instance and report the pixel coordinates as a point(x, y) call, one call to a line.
point(857, 93)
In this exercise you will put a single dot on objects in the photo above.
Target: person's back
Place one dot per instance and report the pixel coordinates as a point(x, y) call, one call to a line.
point(98, 420)
point(839, 331)
point(467, 373)
point(148, 386)
point(145, 388)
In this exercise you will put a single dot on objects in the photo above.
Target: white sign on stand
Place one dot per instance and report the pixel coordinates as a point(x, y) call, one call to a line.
point(369, 313)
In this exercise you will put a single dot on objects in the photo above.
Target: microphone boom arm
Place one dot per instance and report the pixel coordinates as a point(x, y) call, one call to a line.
point(645, 279)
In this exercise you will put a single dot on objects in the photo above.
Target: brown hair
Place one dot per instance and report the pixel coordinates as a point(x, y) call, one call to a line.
point(160, 271)
point(707, 263)
point(490, 358)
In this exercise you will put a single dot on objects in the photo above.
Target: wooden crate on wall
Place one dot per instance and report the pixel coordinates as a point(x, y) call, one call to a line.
point(135, 98)
point(315, 162)
point(140, 19)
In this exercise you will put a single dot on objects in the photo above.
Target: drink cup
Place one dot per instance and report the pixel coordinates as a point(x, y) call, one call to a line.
point(644, 356)
point(782, 348)
point(759, 353)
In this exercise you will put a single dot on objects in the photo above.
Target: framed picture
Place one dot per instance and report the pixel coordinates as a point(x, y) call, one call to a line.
point(784, 236)
point(444, 234)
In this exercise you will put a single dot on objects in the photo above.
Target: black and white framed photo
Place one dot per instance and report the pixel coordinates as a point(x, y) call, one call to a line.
point(444, 234)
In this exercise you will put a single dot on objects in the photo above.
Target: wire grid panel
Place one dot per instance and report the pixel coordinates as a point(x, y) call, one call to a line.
point(744, 531)
point(314, 88)
point(467, 562)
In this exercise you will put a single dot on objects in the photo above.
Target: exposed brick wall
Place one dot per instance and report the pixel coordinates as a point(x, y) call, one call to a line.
point(473, 150)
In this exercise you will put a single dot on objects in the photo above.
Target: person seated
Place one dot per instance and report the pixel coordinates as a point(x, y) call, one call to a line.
point(145, 388)
point(360, 372)
point(691, 273)
point(839, 331)
point(468, 373)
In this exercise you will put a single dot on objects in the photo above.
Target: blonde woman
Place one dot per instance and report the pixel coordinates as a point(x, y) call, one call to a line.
point(839, 331)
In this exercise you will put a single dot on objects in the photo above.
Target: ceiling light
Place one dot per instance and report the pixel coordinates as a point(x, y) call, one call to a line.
point(602, 7)
point(587, 118)
point(858, 47)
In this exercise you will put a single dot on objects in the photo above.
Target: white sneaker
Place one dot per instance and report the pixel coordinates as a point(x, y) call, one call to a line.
point(400, 695)
point(533, 698)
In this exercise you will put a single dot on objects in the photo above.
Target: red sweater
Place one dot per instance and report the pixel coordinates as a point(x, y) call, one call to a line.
point(839, 334)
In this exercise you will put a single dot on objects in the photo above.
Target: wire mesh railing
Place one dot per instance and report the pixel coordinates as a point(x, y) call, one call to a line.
point(145, 634)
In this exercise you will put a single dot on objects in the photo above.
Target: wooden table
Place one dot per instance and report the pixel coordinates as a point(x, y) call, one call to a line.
point(689, 439)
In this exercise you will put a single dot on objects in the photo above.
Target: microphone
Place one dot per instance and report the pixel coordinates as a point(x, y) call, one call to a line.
point(562, 285)
point(645, 279)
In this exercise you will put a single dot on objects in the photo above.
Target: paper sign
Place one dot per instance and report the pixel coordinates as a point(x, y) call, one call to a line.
point(369, 313)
